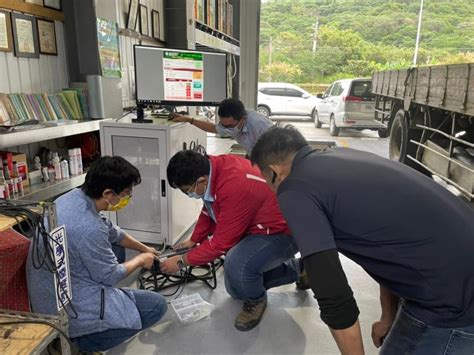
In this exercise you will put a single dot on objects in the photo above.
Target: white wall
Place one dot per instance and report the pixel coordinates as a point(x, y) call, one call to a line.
point(126, 46)
point(31, 75)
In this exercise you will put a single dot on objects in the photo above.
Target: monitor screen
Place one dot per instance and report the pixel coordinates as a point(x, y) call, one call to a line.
point(179, 77)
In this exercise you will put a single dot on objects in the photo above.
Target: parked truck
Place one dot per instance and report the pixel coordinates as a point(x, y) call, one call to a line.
point(429, 115)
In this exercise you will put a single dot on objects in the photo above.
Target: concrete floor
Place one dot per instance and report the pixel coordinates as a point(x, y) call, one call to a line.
point(291, 324)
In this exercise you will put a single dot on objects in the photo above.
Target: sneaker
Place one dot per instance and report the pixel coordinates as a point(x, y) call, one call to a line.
point(303, 281)
point(251, 314)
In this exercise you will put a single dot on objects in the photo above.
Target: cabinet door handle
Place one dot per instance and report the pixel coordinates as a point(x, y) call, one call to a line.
point(163, 188)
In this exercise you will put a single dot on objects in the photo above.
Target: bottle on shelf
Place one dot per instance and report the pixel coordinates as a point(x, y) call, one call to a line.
point(72, 161)
point(37, 164)
point(65, 169)
point(57, 167)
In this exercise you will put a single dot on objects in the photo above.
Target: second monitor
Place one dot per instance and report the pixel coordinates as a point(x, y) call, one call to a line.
point(179, 77)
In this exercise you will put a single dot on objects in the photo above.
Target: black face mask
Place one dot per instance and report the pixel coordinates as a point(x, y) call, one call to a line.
point(274, 176)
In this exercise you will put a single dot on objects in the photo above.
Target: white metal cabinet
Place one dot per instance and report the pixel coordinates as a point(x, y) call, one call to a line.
point(157, 213)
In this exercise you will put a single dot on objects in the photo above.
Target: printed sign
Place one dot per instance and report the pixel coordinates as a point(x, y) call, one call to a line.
point(62, 278)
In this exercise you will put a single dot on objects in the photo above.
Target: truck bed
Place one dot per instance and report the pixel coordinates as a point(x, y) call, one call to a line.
point(449, 87)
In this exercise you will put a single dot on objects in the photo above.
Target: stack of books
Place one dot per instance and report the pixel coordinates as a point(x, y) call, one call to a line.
point(68, 104)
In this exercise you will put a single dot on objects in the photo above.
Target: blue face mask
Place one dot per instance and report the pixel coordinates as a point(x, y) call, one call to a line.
point(193, 194)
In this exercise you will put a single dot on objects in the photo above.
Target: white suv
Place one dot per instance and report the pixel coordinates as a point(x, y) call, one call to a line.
point(348, 103)
point(282, 99)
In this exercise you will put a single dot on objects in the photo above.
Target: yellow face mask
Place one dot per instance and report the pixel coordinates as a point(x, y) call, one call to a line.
point(121, 204)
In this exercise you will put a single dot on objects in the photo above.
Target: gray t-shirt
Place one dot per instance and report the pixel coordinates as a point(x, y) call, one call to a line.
point(411, 235)
point(255, 125)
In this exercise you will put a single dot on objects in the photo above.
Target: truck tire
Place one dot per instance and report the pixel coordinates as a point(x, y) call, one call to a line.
point(400, 146)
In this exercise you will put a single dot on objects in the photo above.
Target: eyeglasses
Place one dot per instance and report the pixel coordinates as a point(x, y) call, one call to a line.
point(231, 126)
point(191, 188)
point(274, 176)
point(129, 194)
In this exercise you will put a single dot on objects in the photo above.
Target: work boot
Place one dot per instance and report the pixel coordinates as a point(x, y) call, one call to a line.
point(250, 315)
point(303, 281)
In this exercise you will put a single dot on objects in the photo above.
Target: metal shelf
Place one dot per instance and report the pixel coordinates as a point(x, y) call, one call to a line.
point(48, 190)
point(38, 133)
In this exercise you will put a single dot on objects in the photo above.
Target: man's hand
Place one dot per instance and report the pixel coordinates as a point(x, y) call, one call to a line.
point(147, 260)
point(170, 265)
point(188, 244)
point(380, 330)
point(176, 117)
point(151, 250)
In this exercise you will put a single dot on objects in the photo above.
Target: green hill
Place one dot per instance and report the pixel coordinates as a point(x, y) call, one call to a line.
point(354, 38)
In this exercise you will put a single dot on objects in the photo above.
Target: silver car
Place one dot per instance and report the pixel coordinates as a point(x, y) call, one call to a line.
point(348, 103)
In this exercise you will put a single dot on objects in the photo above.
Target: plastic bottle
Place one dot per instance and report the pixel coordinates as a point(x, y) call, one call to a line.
point(37, 163)
point(72, 161)
point(78, 154)
point(15, 172)
point(57, 168)
point(65, 169)
point(45, 173)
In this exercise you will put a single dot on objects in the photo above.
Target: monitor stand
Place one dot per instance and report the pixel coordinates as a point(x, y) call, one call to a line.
point(141, 117)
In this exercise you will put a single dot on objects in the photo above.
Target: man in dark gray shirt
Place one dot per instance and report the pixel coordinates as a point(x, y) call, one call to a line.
point(411, 235)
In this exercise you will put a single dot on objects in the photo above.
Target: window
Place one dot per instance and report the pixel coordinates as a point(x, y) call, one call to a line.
point(362, 89)
point(328, 90)
point(337, 89)
point(293, 93)
point(275, 91)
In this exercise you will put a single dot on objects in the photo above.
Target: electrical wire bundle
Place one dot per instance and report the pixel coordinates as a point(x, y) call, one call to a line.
point(31, 225)
point(155, 280)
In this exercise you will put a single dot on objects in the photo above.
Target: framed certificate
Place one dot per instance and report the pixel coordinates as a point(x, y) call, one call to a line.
point(132, 15)
point(5, 32)
point(36, 2)
point(25, 35)
point(47, 37)
point(155, 24)
point(53, 4)
point(144, 20)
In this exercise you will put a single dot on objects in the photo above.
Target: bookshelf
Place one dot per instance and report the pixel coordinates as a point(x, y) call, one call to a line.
point(38, 133)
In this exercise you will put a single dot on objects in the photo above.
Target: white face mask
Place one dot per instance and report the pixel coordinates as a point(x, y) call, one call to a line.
point(233, 131)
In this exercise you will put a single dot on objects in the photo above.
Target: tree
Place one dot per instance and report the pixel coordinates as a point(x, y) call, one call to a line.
point(279, 71)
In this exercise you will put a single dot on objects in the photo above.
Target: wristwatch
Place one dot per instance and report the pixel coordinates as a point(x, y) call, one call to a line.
point(181, 264)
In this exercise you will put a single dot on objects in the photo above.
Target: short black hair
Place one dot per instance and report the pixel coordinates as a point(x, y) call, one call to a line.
point(232, 108)
point(276, 145)
point(185, 167)
point(113, 173)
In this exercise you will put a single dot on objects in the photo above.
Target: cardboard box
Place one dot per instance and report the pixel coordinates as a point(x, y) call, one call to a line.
point(22, 164)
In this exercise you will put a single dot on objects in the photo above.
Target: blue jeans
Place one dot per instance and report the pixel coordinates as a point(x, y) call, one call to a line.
point(151, 306)
point(260, 262)
point(410, 335)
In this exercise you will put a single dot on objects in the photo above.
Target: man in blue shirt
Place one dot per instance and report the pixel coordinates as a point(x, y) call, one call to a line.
point(106, 315)
point(245, 126)
point(414, 237)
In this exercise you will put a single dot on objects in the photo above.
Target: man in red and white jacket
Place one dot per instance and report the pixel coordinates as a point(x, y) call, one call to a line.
point(242, 216)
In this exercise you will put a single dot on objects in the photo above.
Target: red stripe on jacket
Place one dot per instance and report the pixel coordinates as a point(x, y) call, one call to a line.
point(243, 205)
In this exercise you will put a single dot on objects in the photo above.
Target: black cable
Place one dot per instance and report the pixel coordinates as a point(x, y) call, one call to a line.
point(63, 334)
point(37, 232)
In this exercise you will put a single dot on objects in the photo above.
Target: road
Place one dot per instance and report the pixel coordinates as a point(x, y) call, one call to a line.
point(366, 140)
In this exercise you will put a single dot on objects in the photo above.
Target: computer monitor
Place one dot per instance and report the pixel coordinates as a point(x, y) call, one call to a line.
point(177, 77)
